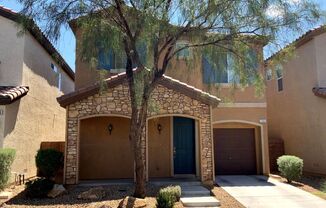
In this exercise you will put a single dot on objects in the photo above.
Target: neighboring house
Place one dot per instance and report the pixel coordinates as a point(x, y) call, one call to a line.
point(296, 101)
point(32, 76)
point(185, 136)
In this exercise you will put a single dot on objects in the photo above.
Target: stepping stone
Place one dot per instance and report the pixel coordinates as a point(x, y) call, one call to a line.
point(204, 201)
point(188, 191)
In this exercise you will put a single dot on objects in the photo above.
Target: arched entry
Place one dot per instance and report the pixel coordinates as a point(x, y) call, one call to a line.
point(173, 146)
point(104, 148)
point(237, 148)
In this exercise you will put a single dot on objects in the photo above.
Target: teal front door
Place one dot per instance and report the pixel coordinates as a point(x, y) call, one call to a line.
point(184, 145)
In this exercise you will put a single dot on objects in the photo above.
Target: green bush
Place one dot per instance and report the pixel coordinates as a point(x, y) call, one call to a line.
point(38, 188)
point(323, 186)
point(7, 157)
point(48, 162)
point(290, 167)
point(168, 196)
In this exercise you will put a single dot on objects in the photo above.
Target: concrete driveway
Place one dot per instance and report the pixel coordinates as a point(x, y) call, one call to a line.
point(263, 192)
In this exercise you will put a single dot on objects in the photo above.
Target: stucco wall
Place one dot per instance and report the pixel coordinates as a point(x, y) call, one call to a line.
point(37, 116)
point(11, 53)
point(296, 115)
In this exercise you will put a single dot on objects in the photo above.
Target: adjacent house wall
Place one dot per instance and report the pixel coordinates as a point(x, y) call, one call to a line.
point(37, 116)
point(296, 115)
point(11, 53)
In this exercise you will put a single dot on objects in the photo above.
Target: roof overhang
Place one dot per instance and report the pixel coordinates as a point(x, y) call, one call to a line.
point(121, 78)
point(9, 94)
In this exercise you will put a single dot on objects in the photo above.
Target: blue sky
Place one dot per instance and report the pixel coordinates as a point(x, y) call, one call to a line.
point(66, 44)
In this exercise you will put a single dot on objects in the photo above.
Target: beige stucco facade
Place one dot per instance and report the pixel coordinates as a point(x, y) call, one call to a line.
point(295, 114)
point(36, 117)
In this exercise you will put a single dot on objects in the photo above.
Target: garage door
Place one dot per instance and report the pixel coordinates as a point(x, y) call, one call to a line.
point(234, 151)
point(105, 154)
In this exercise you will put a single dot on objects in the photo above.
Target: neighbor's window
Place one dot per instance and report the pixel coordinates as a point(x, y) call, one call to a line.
point(185, 53)
point(57, 74)
point(279, 78)
point(269, 74)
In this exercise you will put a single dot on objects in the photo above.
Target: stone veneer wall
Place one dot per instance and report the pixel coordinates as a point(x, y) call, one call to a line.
point(116, 101)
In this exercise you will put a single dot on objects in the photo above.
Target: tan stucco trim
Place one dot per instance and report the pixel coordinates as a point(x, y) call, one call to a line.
point(262, 138)
point(172, 145)
point(242, 105)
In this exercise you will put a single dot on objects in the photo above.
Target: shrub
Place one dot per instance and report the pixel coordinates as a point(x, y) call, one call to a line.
point(48, 162)
point(323, 186)
point(38, 188)
point(7, 157)
point(168, 196)
point(290, 167)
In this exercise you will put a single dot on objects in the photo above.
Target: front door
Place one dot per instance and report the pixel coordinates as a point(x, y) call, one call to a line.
point(184, 145)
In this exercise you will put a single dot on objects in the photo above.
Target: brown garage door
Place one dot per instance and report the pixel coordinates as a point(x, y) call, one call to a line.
point(105, 155)
point(234, 151)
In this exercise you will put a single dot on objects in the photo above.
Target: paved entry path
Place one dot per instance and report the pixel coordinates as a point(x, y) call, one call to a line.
point(261, 192)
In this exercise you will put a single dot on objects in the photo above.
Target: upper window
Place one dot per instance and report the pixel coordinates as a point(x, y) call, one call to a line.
point(222, 68)
point(279, 78)
point(184, 53)
point(269, 74)
point(115, 62)
point(215, 71)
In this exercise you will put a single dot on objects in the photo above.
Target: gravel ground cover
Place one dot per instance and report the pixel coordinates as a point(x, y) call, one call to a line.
point(114, 194)
point(227, 201)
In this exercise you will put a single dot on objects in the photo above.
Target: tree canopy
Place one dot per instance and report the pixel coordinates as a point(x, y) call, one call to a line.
point(211, 27)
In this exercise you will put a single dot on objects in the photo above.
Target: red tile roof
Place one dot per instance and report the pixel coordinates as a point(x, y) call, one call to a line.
point(9, 94)
point(319, 91)
point(115, 80)
point(42, 39)
point(306, 37)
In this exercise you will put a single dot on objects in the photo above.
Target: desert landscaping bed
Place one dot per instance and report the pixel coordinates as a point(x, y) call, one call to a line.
point(114, 195)
point(309, 183)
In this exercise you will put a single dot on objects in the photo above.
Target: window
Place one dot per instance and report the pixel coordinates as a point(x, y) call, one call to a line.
point(269, 74)
point(279, 77)
point(185, 53)
point(57, 74)
point(115, 62)
point(219, 71)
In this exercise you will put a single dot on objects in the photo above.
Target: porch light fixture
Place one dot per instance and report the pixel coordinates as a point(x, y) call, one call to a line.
point(110, 128)
point(159, 128)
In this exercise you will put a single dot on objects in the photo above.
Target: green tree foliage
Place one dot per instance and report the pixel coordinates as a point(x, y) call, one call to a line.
point(122, 25)
point(7, 157)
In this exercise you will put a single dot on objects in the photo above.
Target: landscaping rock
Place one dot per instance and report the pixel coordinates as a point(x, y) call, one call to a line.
point(93, 194)
point(5, 195)
point(131, 202)
point(56, 191)
point(105, 206)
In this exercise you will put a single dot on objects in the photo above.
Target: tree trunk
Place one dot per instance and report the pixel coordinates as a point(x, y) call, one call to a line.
point(137, 132)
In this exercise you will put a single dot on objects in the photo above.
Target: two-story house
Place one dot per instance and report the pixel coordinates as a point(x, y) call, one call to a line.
point(32, 76)
point(186, 136)
point(296, 104)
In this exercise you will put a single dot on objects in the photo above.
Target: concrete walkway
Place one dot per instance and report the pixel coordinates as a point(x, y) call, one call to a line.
point(261, 192)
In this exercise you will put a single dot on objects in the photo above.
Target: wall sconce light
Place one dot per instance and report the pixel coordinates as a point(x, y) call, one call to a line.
point(159, 128)
point(110, 128)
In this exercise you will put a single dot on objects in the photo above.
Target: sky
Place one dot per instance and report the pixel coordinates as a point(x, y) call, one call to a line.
point(66, 44)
